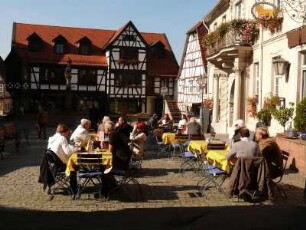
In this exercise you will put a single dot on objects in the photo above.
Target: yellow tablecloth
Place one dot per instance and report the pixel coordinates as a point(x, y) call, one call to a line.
point(168, 138)
point(197, 146)
point(218, 158)
point(107, 158)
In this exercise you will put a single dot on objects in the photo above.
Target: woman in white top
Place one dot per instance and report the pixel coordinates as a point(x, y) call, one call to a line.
point(182, 125)
point(59, 145)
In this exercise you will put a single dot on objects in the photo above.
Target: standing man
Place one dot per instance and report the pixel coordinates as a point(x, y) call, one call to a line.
point(42, 122)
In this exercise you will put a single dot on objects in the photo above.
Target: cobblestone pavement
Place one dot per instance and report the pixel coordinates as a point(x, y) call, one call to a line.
point(162, 187)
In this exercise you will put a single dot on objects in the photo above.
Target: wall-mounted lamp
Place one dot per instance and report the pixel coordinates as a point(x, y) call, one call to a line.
point(281, 67)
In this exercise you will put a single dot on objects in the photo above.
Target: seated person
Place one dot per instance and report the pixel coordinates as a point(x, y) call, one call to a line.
point(80, 136)
point(138, 138)
point(58, 143)
point(153, 121)
point(244, 147)
point(123, 127)
point(101, 125)
point(270, 151)
point(165, 120)
point(238, 126)
point(182, 125)
point(118, 146)
point(100, 129)
point(193, 127)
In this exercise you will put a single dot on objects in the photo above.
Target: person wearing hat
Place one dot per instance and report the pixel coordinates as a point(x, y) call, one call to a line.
point(80, 136)
point(238, 126)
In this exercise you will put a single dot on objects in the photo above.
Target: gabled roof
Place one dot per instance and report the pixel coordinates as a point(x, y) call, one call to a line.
point(201, 31)
point(118, 32)
point(100, 39)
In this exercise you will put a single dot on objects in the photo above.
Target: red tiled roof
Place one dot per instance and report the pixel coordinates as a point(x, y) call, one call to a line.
point(99, 38)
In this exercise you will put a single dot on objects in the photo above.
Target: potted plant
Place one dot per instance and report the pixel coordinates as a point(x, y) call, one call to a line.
point(299, 120)
point(283, 114)
point(264, 116)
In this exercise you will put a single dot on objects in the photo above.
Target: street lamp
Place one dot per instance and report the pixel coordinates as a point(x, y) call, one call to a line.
point(202, 81)
point(164, 91)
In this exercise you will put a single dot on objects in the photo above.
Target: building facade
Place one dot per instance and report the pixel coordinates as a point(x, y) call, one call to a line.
point(192, 68)
point(245, 43)
point(72, 69)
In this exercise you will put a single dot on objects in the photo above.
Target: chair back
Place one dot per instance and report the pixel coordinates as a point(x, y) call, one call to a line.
point(54, 162)
point(89, 159)
point(285, 156)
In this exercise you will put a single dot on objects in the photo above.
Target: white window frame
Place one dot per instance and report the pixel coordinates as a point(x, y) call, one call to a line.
point(303, 73)
point(238, 9)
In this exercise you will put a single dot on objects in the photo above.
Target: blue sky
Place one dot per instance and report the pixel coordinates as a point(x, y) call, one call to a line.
point(172, 17)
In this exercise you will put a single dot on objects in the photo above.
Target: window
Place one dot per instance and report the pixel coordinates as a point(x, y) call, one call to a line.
point(238, 8)
point(84, 49)
point(304, 84)
point(87, 77)
point(52, 75)
point(35, 43)
point(276, 85)
point(84, 45)
point(128, 53)
point(256, 78)
point(129, 37)
point(59, 48)
point(59, 44)
point(303, 75)
point(128, 80)
point(224, 19)
point(215, 26)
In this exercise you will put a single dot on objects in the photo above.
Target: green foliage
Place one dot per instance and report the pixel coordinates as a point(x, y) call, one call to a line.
point(247, 28)
point(283, 114)
point(299, 120)
point(222, 30)
point(265, 116)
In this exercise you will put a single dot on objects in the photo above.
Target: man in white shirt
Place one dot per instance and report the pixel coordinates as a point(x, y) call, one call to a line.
point(80, 136)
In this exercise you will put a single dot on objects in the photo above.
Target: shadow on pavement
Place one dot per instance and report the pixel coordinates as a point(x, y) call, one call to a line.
point(254, 217)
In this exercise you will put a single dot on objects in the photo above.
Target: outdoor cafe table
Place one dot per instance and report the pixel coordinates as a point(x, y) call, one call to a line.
point(197, 146)
point(168, 138)
point(218, 159)
point(215, 157)
point(107, 158)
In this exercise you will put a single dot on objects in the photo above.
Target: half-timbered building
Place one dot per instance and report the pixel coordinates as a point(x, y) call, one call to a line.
point(5, 98)
point(192, 80)
point(119, 71)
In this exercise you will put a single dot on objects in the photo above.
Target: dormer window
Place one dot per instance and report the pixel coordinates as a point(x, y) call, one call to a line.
point(84, 45)
point(158, 49)
point(35, 43)
point(60, 44)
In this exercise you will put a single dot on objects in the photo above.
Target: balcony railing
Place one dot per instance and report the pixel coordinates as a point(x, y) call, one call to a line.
point(230, 39)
